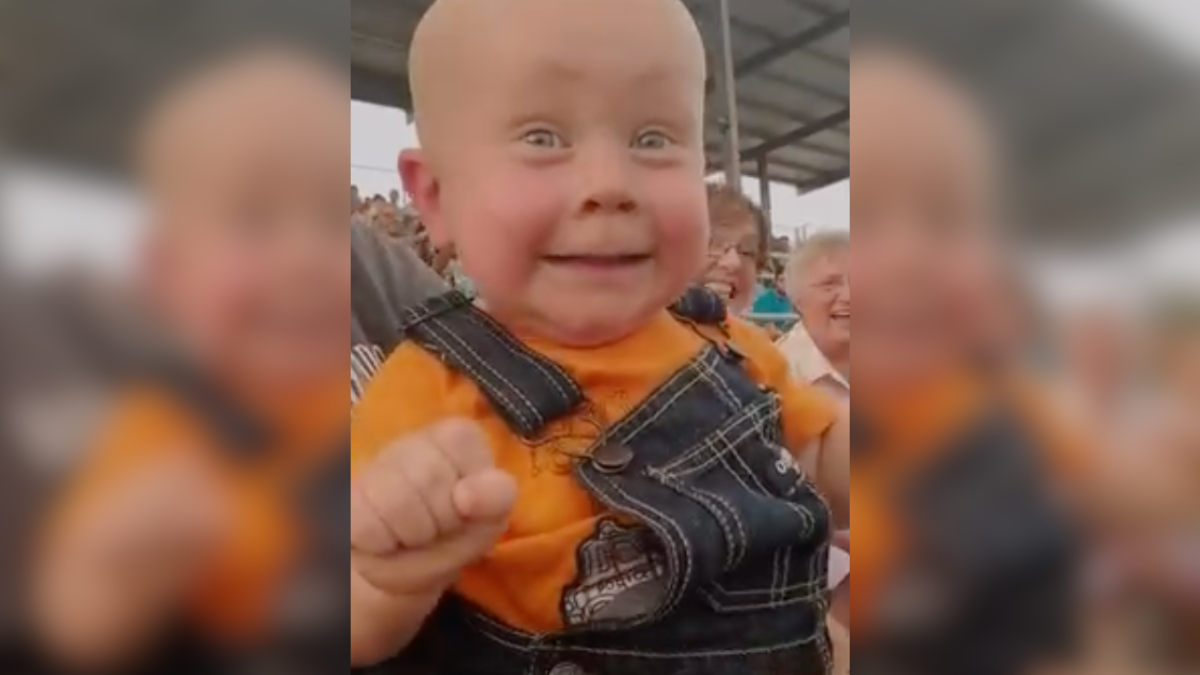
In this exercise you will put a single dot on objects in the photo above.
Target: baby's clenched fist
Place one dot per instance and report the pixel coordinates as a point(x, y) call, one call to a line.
point(427, 506)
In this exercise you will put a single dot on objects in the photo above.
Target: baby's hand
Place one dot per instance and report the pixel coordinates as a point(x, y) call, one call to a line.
point(427, 506)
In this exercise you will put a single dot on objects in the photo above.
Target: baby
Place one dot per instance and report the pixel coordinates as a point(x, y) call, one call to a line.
point(592, 479)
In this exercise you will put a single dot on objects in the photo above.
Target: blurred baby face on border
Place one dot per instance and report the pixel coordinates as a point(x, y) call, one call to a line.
point(567, 163)
point(252, 261)
point(922, 210)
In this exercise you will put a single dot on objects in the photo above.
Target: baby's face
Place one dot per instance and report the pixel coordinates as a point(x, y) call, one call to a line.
point(922, 211)
point(572, 178)
point(255, 261)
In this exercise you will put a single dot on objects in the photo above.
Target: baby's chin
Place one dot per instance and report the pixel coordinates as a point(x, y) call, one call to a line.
point(595, 323)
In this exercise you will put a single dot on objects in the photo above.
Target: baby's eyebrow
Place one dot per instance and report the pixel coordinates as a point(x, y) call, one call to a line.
point(560, 69)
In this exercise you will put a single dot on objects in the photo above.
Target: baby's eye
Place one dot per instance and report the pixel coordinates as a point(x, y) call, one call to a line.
point(543, 138)
point(651, 140)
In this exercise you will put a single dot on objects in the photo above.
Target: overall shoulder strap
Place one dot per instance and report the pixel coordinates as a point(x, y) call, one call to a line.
point(701, 306)
point(526, 389)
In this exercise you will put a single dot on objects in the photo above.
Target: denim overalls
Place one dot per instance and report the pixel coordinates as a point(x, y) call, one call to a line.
point(738, 535)
point(986, 585)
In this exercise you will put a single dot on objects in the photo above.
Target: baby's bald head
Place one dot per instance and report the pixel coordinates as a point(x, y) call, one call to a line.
point(458, 41)
point(555, 128)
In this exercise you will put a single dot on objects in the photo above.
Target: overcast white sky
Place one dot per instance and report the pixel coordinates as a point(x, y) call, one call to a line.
point(377, 134)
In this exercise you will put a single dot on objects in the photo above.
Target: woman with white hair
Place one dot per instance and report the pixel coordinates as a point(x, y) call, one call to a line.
point(818, 283)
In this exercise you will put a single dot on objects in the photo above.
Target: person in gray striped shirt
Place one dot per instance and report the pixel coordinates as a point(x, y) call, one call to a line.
point(386, 278)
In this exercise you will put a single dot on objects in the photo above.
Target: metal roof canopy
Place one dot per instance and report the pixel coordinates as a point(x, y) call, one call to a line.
point(1097, 119)
point(790, 64)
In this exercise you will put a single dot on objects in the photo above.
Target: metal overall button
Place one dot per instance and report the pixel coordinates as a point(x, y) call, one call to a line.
point(612, 458)
point(566, 668)
point(785, 466)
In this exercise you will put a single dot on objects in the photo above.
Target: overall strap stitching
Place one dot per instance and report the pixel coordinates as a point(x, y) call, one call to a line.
point(526, 389)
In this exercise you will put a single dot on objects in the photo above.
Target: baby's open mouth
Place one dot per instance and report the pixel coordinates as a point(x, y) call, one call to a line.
point(598, 261)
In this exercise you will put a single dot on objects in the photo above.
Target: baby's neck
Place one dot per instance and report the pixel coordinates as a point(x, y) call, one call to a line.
point(535, 331)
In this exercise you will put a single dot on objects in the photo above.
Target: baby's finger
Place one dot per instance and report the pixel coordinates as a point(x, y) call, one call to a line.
point(369, 532)
point(486, 497)
point(431, 569)
point(435, 476)
point(389, 492)
point(464, 445)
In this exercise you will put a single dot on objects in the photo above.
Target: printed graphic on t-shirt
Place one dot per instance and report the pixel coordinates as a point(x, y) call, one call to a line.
point(365, 363)
point(621, 575)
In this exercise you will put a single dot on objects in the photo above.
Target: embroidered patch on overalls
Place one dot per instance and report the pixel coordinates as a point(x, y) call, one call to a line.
point(621, 575)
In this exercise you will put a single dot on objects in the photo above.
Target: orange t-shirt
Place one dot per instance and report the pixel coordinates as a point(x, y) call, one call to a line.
point(523, 579)
point(906, 434)
point(235, 598)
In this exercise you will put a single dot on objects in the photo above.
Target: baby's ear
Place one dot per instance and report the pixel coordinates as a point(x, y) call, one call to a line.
point(425, 193)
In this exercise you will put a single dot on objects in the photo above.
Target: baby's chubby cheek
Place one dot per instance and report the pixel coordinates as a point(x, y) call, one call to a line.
point(683, 234)
point(515, 206)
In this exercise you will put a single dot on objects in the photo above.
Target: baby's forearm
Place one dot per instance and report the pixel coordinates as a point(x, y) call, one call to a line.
point(382, 625)
point(827, 461)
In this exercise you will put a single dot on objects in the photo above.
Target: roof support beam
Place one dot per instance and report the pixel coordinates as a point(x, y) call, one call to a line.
point(374, 87)
point(715, 164)
point(757, 132)
point(791, 44)
point(764, 186)
point(807, 131)
point(774, 110)
point(814, 7)
point(828, 178)
point(728, 86)
point(807, 88)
